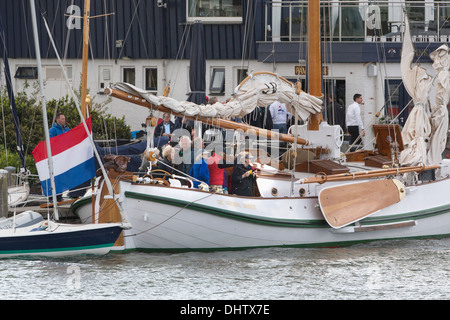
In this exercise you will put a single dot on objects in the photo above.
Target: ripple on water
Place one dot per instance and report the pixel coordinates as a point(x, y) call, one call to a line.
point(384, 270)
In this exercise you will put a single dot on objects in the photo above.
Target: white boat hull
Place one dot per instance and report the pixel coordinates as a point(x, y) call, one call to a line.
point(201, 221)
point(53, 239)
point(178, 219)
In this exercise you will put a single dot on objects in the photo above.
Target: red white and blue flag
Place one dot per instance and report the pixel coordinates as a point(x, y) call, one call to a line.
point(72, 156)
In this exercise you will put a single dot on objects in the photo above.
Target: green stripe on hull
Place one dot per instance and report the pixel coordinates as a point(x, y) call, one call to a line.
point(283, 222)
point(80, 203)
point(416, 215)
point(228, 213)
point(55, 249)
point(309, 245)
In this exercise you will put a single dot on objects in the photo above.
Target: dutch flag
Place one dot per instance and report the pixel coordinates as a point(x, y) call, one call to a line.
point(72, 156)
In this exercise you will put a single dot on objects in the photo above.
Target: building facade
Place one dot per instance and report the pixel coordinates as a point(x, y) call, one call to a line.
point(147, 43)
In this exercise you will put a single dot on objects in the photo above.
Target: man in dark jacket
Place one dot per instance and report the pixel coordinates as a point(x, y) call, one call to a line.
point(165, 128)
point(163, 131)
point(242, 178)
point(335, 112)
point(259, 117)
point(59, 127)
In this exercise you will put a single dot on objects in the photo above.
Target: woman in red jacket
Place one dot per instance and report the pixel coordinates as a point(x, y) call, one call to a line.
point(216, 174)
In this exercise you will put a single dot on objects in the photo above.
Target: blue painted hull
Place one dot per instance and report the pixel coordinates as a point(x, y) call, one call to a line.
point(75, 241)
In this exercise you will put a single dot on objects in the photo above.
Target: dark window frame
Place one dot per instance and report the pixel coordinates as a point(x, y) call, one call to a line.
point(154, 77)
point(26, 73)
point(217, 88)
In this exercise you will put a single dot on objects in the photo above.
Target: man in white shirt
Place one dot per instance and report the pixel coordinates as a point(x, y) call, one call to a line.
point(353, 119)
point(279, 115)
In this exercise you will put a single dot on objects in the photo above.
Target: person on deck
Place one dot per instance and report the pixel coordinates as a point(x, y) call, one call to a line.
point(353, 119)
point(199, 170)
point(335, 112)
point(243, 178)
point(216, 174)
point(163, 131)
point(259, 117)
point(166, 162)
point(185, 156)
point(279, 116)
point(59, 127)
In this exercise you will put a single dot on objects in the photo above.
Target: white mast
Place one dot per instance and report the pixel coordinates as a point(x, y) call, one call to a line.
point(44, 107)
point(124, 217)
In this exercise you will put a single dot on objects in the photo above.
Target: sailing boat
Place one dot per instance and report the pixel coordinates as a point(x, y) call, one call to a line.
point(16, 194)
point(29, 234)
point(332, 203)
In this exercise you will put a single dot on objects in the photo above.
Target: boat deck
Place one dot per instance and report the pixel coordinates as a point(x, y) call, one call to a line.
point(34, 204)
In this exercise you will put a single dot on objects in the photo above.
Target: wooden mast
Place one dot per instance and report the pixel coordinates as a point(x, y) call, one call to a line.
point(87, 5)
point(314, 59)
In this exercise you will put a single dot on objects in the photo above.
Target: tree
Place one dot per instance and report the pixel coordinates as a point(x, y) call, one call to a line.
point(104, 125)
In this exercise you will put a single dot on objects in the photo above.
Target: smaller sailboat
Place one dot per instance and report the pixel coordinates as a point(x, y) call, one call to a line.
point(30, 234)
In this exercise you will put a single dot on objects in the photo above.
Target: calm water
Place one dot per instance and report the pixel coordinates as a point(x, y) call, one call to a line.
point(383, 270)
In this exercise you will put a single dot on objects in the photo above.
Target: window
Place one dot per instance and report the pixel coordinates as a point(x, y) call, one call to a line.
point(217, 84)
point(56, 73)
point(215, 11)
point(151, 79)
point(241, 74)
point(129, 76)
point(398, 102)
point(26, 73)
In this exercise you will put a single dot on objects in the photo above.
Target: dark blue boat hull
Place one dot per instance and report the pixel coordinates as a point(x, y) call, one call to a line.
point(52, 243)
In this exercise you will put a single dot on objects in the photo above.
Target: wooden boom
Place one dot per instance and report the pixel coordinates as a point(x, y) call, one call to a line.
point(366, 174)
point(221, 123)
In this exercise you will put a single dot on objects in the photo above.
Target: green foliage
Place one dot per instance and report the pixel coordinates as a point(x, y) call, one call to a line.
point(10, 158)
point(104, 126)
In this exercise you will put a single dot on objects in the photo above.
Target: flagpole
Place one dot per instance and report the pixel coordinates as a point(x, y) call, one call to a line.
point(124, 217)
point(44, 108)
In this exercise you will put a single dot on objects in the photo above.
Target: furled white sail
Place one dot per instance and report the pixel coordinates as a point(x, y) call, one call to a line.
point(417, 129)
point(261, 90)
point(439, 112)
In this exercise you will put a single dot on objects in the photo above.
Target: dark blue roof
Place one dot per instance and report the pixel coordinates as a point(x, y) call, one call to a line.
point(149, 32)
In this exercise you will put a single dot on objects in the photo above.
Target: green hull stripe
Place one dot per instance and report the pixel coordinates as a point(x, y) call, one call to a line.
point(227, 213)
point(80, 203)
point(308, 245)
point(283, 222)
point(55, 249)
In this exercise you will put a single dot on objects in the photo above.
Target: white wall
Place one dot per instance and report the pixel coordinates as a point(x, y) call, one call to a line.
point(176, 73)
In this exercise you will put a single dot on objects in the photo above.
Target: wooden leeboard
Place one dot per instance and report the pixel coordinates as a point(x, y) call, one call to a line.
point(345, 204)
point(109, 212)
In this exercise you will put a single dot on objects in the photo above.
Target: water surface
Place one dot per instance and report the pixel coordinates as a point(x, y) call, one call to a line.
point(417, 269)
